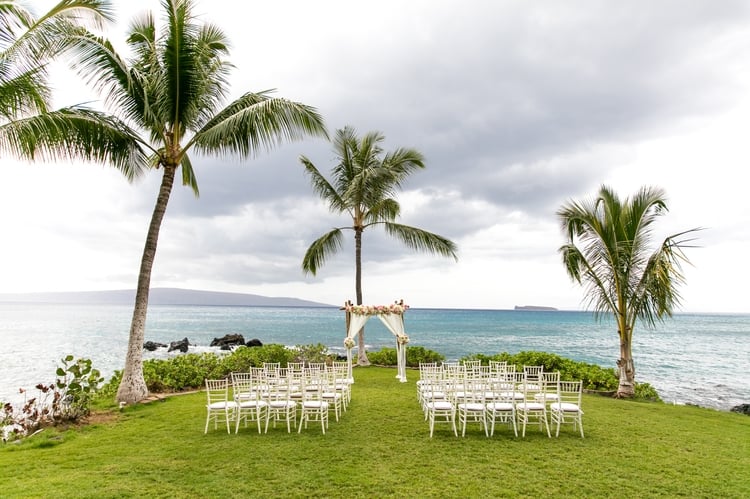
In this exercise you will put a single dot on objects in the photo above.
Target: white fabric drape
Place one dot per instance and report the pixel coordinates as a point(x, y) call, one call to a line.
point(395, 324)
point(356, 322)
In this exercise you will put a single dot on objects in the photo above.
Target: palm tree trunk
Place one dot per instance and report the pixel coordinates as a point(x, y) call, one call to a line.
point(362, 359)
point(626, 388)
point(133, 386)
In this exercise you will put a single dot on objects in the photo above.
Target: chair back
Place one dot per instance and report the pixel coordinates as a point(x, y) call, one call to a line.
point(217, 391)
point(570, 392)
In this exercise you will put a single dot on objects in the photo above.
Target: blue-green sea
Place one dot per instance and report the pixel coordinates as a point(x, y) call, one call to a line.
point(691, 358)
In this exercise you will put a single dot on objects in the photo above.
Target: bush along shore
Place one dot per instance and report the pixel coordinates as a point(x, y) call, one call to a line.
point(79, 386)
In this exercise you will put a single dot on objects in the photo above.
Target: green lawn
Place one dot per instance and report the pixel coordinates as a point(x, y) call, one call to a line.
point(381, 448)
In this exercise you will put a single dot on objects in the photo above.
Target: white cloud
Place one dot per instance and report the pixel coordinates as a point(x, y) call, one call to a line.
point(518, 107)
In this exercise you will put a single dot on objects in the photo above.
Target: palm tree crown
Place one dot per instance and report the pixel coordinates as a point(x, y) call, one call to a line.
point(28, 129)
point(172, 90)
point(364, 183)
point(622, 272)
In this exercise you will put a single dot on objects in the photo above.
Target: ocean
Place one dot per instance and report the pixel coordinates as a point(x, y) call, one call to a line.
point(696, 359)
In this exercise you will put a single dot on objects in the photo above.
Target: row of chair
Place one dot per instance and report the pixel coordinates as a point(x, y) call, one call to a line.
point(279, 394)
point(486, 395)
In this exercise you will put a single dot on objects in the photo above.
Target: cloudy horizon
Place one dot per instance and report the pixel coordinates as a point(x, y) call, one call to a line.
point(518, 107)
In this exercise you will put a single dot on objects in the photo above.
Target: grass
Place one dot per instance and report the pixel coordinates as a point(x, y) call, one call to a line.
point(381, 448)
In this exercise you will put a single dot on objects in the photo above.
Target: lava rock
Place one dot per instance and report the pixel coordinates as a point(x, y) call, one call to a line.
point(181, 345)
point(228, 341)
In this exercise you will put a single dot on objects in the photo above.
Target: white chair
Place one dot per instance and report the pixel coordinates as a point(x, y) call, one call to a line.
point(533, 377)
point(281, 407)
point(424, 367)
point(271, 367)
point(471, 407)
point(509, 386)
point(498, 367)
point(438, 407)
point(295, 366)
point(567, 408)
point(314, 408)
point(430, 386)
point(502, 410)
point(249, 394)
point(549, 388)
point(330, 393)
point(531, 409)
point(343, 381)
point(218, 405)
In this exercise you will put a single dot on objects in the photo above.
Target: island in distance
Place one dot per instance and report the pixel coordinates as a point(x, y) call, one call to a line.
point(162, 296)
point(534, 308)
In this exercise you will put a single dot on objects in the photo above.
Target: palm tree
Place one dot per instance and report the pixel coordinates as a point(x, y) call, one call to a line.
point(173, 88)
point(616, 263)
point(28, 129)
point(364, 183)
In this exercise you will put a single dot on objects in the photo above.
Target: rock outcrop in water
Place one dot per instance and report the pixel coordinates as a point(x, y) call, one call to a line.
point(181, 345)
point(228, 341)
point(153, 345)
point(742, 409)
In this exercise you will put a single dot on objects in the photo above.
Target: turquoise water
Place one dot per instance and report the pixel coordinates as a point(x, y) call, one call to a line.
point(692, 358)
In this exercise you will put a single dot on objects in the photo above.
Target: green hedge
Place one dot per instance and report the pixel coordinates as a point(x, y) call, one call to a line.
point(189, 371)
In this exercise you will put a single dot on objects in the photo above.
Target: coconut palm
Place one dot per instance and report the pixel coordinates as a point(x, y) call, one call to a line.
point(172, 89)
point(28, 129)
point(363, 185)
point(623, 274)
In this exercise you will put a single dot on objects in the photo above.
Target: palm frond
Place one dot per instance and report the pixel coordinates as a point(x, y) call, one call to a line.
point(422, 240)
point(53, 33)
point(22, 93)
point(385, 210)
point(321, 249)
point(75, 133)
point(101, 66)
point(323, 188)
point(256, 122)
point(15, 18)
point(188, 175)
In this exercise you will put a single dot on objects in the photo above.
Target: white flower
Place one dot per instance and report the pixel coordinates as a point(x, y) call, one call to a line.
point(396, 308)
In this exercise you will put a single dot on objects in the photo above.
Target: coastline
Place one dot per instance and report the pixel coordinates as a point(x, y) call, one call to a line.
point(692, 359)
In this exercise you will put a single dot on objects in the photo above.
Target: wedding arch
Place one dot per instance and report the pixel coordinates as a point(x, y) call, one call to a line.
point(390, 315)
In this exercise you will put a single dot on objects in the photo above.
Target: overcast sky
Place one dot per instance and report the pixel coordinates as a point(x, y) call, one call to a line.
point(517, 106)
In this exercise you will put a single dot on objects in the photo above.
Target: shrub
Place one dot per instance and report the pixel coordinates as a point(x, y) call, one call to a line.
point(179, 373)
point(68, 399)
point(383, 357)
point(312, 353)
point(190, 370)
point(594, 377)
point(414, 355)
point(645, 391)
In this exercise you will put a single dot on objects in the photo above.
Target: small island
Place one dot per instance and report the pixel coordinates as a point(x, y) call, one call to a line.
point(535, 308)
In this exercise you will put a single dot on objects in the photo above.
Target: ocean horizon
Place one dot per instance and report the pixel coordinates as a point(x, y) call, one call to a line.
point(689, 358)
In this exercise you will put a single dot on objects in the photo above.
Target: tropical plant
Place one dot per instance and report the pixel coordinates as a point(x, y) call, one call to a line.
point(414, 356)
point(616, 264)
point(363, 186)
point(67, 399)
point(28, 129)
point(172, 89)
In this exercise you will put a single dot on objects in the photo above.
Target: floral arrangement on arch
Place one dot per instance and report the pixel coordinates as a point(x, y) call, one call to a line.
point(402, 339)
point(349, 343)
point(395, 308)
